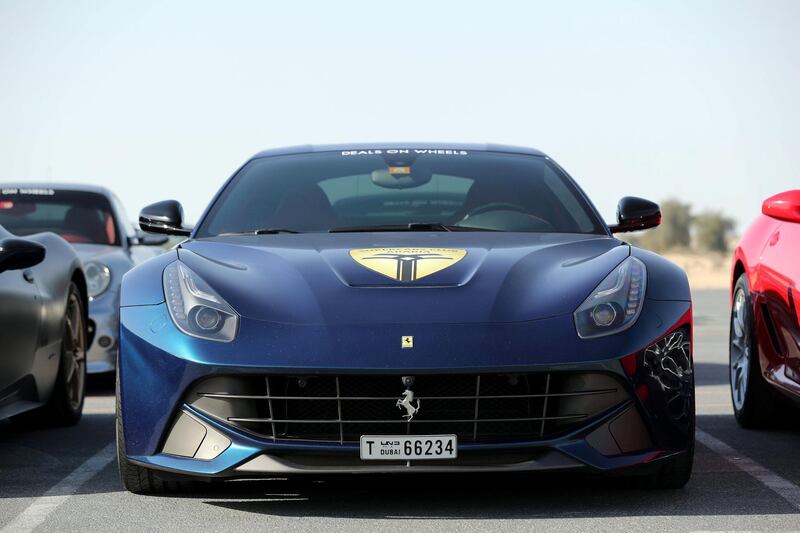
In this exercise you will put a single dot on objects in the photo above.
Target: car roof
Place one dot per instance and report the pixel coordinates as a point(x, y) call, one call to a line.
point(475, 147)
point(55, 185)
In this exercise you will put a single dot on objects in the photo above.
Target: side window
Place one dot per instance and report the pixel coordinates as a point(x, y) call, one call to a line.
point(576, 212)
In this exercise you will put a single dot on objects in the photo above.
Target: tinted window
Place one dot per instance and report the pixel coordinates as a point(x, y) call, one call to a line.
point(79, 217)
point(320, 191)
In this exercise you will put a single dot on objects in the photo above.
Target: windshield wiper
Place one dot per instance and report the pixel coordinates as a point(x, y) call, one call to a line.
point(414, 226)
point(261, 231)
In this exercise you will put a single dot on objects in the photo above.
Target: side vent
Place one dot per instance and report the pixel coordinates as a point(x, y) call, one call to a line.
point(773, 333)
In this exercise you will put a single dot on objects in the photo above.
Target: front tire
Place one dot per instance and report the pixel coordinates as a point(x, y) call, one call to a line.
point(676, 472)
point(65, 405)
point(754, 404)
point(672, 474)
point(137, 479)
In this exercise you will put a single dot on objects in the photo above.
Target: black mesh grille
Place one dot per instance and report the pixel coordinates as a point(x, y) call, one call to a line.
point(476, 408)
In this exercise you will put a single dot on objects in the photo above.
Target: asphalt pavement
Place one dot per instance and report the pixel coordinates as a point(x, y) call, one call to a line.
point(66, 480)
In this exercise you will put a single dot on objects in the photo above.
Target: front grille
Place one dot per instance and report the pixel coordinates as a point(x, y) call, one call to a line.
point(476, 408)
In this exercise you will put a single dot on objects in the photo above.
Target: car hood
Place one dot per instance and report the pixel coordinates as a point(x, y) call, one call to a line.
point(314, 279)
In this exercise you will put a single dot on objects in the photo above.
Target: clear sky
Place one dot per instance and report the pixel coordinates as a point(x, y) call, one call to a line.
point(698, 100)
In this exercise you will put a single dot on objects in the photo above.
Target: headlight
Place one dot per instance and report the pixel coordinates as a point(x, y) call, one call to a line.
point(196, 308)
point(615, 304)
point(98, 277)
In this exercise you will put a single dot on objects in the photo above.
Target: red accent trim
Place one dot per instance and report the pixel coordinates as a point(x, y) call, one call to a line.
point(653, 456)
point(642, 392)
point(629, 363)
point(682, 321)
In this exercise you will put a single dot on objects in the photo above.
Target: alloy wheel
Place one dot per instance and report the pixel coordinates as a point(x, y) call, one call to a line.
point(74, 352)
point(740, 349)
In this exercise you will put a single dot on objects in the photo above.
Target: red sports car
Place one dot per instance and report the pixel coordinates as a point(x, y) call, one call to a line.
point(765, 322)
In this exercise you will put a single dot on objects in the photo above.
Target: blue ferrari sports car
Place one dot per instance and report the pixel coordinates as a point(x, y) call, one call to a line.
point(403, 308)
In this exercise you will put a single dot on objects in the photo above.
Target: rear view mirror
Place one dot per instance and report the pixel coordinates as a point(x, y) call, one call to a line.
point(635, 214)
point(783, 206)
point(401, 177)
point(16, 254)
point(164, 217)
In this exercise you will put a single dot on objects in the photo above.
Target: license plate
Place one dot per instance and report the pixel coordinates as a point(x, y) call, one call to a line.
point(408, 447)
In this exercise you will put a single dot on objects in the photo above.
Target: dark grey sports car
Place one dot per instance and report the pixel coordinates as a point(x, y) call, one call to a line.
point(43, 331)
point(94, 222)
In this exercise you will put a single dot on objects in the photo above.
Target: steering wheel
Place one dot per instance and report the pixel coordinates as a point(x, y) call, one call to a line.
point(497, 206)
point(506, 206)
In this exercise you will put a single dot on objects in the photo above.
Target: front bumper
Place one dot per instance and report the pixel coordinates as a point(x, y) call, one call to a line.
point(104, 322)
point(245, 457)
point(159, 365)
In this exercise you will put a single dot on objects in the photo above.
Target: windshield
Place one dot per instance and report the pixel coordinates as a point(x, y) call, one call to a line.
point(362, 190)
point(77, 216)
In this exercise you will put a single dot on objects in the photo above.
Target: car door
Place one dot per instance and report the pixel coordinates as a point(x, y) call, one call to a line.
point(20, 318)
point(780, 276)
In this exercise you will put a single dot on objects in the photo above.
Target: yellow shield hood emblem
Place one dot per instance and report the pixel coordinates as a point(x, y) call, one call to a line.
point(407, 264)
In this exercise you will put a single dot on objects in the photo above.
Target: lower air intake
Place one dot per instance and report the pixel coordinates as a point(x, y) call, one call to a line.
point(476, 408)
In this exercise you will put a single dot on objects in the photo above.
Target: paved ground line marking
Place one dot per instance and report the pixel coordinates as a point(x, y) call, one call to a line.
point(38, 511)
point(780, 486)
